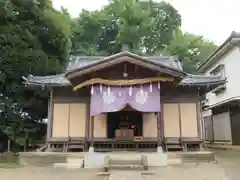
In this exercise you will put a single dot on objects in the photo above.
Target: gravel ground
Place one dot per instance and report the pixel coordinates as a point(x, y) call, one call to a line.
point(227, 169)
point(48, 173)
point(185, 172)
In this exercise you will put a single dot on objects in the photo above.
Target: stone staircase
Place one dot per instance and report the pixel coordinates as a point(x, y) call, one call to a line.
point(125, 162)
point(71, 163)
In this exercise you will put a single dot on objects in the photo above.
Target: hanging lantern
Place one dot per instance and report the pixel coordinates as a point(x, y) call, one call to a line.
point(151, 87)
point(92, 90)
point(130, 91)
point(158, 85)
point(101, 88)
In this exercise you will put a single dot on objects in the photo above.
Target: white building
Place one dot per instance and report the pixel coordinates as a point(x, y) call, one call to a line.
point(222, 105)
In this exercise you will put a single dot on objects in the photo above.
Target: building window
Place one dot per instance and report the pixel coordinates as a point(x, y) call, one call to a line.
point(220, 72)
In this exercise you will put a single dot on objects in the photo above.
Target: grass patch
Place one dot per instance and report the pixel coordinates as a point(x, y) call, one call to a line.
point(9, 160)
point(9, 165)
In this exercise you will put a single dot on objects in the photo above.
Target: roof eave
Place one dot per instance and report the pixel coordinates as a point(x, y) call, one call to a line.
point(207, 84)
point(32, 83)
point(45, 84)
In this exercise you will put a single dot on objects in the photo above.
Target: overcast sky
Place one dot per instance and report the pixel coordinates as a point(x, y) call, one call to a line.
point(213, 19)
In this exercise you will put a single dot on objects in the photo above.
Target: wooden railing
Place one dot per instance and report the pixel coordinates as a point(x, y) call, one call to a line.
point(125, 146)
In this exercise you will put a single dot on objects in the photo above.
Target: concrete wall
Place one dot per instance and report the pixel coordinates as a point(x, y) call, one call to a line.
point(231, 63)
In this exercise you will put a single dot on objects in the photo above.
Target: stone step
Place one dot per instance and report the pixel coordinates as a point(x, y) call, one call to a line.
point(125, 162)
point(122, 166)
point(67, 165)
point(174, 162)
point(73, 160)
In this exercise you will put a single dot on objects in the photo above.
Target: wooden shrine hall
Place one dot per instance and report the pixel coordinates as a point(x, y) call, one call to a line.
point(124, 102)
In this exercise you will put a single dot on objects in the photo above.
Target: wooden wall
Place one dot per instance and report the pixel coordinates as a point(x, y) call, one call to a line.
point(100, 126)
point(149, 125)
point(180, 120)
point(69, 120)
point(71, 115)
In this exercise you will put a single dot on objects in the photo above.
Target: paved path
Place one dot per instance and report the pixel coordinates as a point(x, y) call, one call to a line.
point(186, 172)
point(230, 162)
point(126, 175)
point(190, 171)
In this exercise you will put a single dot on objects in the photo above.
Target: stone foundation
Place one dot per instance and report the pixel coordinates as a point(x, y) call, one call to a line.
point(48, 159)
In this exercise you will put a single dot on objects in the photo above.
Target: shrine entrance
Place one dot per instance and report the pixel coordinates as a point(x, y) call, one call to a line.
point(124, 125)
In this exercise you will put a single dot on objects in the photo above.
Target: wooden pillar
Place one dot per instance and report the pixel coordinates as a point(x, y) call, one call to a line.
point(92, 131)
point(200, 119)
point(180, 127)
point(69, 114)
point(213, 135)
point(50, 120)
point(159, 128)
point(162, 124)
point(87, 127)
point(199, 116)
point(180, 120)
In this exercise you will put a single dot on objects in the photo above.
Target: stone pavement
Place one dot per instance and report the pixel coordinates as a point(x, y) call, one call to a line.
point(184, 172)
point(126, 175)
point(189, 171)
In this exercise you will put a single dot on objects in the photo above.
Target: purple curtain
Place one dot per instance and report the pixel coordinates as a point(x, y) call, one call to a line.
point(144, 98)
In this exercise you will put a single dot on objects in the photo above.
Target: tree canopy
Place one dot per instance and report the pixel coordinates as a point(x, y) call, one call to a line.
point(143, 26)
point(34, 39)
point(189, 48)
point(37, 39)
point(146, 27)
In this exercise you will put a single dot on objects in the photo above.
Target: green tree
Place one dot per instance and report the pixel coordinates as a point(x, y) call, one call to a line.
point(143, 26)
point(190, 49)
point(34, 39)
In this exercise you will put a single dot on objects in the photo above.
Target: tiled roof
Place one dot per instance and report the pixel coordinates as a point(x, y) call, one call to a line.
point(60, 80)
point(78, 62)
point(54, 80)
point(201, 80)
point(81, 61)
